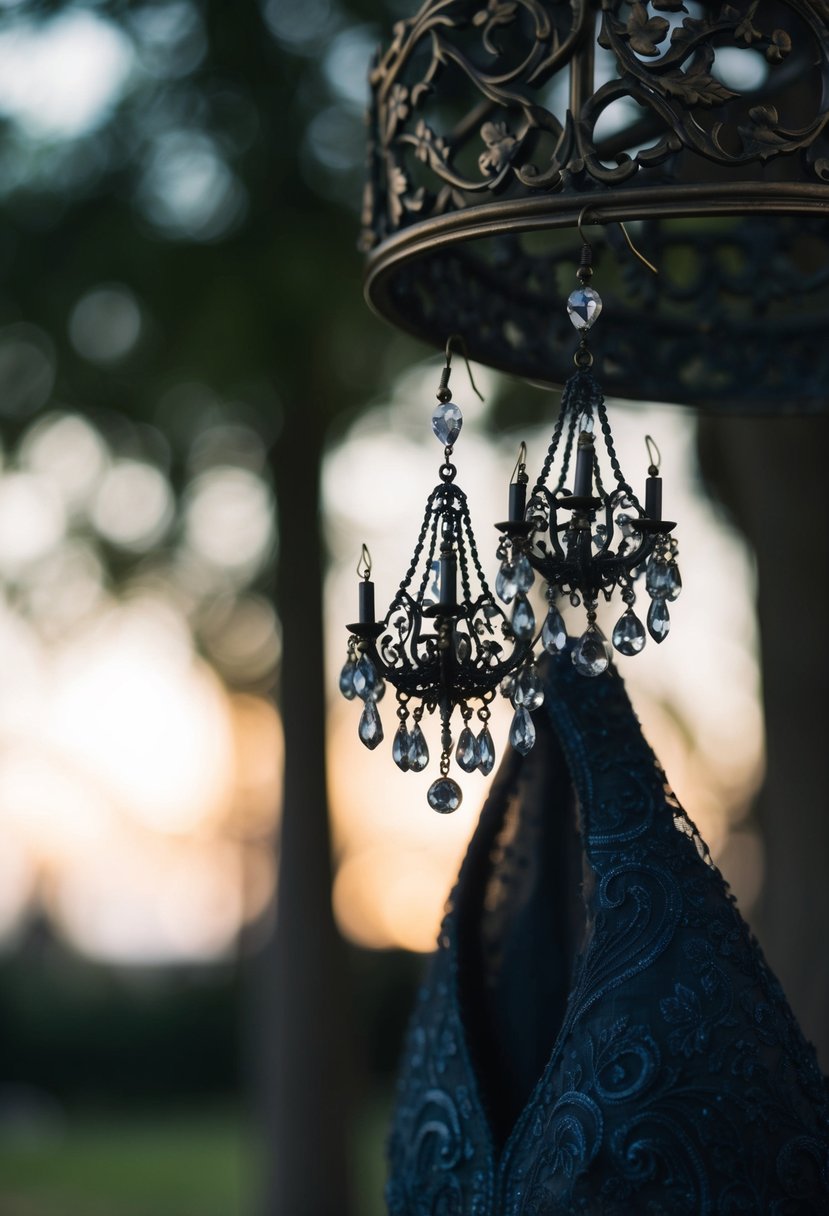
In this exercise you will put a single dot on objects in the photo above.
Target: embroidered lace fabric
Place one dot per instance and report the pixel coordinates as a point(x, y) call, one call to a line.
point(599, 1032)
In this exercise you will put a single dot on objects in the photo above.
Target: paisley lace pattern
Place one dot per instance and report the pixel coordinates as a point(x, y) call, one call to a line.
point(678, 1083)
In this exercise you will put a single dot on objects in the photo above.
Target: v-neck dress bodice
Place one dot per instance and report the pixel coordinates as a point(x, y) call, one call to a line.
point(599, 1033)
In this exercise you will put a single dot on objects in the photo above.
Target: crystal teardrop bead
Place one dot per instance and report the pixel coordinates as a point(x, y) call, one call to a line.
point(418, 749)
point(347, 680)
point(583, 307)
point(629, 634)
point(659, 619)
point(674, 582)
point(658, 579)
point(466, 753)
point(522, 731)
point(400, 748)
point(524, 574)
point(528, 690)
point(366, 678)
point(554, 633)
point(507, 685)
point(371, 728)
point(444, 795)
point(523, 618)
point(462, 648)
point(590, 654)
point(486, 752)
point(447, 421)
point(506, 584)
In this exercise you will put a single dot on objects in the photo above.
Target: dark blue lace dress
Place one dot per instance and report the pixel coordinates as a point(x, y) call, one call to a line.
point(599, 1032)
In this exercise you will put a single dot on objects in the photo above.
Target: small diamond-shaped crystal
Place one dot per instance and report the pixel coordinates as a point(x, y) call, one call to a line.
point(659, 619)
point(506, 583)
point(447, 421)
point(466, 752)
point(486, 752)
point(444, 795)
point(528, 690)
point(400, 748)
point(583, 307)
point(371, 728)
point(418, 749)
point(522, 731)
point(523, 618)
point(554, 633)
point(347, 680)
point(365, 679)
point(524, 576)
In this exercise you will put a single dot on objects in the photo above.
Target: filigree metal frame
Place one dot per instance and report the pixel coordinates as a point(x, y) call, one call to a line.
point(474, 156)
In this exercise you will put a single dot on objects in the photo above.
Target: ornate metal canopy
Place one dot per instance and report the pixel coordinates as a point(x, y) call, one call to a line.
point(495, 124)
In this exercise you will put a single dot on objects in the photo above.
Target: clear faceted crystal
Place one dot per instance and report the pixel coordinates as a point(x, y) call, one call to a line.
point(366, 678)
point(528, 690)
point(629, 633)
point(444, 795)
point(347, 680)
point(659, 619)
point(418, 749)
point(466, 753)
point(506, 584)
point(371, 728)
point(508, 685)
point(523, 618)
point(524, 575)
point(674, 582)
point(590, 654)
point(659, 580)
point(486, 752)
point(583, 307)
point(522, 731)
point(554, 633)
point(447, 421)
point(400, 748)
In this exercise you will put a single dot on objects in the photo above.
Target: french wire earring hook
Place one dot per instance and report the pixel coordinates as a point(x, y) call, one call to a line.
point(458, 339)
point(654, 456)
point(596, 219)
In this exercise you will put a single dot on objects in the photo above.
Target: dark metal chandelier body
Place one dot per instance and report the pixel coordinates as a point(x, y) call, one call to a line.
point(495, 123)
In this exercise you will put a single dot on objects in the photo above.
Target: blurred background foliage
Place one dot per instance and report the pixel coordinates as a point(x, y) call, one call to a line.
point(186, 371)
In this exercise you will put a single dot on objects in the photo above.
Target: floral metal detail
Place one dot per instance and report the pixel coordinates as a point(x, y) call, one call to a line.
point(496, 64)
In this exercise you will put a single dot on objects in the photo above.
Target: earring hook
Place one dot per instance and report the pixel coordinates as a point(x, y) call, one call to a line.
point(364, 563)
point(654, 455)
point(459, 339)
point(628, 239)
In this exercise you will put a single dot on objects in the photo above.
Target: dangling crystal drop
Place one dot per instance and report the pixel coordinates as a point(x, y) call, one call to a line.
point(418, 749)
point(522, 731)
point(447, 421)
point(554, 633)
point(400, 748)
point(529, 690)
point(583, 307)
point(523, 618)
point(659, 619)
point(466, 753)
point(366, 678)
point(590, 654)
point(486, 752)
point(658, 579)
point(524, 575)
point(674, 582)
point(506, 583)
point(371, 728)
point(347, 680)
point(444, 795)
point(629, 633)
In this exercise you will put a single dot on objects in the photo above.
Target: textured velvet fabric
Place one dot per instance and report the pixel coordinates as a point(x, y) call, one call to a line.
point(599, 1033)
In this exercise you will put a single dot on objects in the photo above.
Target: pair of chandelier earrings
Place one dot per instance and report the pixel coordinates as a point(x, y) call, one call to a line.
point(446, 644)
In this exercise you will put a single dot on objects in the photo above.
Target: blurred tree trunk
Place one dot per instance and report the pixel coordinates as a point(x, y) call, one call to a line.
point(305, 1007)
point(771, 473)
